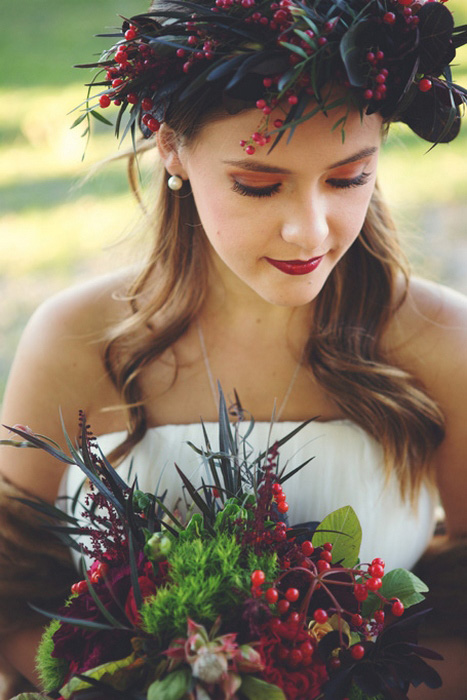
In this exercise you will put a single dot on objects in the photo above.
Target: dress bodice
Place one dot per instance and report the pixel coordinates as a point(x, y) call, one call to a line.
point(346, 469)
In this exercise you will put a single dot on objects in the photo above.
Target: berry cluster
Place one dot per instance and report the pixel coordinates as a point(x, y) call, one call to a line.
point(314, 595)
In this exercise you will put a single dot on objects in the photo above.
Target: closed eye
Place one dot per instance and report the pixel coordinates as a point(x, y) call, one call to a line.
point(345, 183)
point(248, 191)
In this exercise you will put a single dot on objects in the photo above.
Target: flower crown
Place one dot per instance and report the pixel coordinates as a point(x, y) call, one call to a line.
point(390, 56)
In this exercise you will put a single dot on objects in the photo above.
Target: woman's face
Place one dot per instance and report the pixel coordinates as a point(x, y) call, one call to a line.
point(278, 223)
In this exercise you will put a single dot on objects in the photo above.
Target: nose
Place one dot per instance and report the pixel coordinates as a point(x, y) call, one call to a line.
point(305, 222)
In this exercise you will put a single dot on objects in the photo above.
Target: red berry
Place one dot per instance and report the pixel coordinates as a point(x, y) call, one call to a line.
point(130, 34)
point(181, 53)
point(425, 85)
point(258, 577)
point(147, 104)
point(272, 595)
point(256, 592)
point(153, 125)
point(374, 584)
point(250, 150)
point(267, 82)
point(322, 41)
point(116, 82)
point(356, 620)
point(335, 665)
point(280, 497)
point(357, 651)
point(379, 55)
point(294, 618)
point(370, 57)
point(295, 657)
point(320, 616)
point(192, 40)
point(282, 507)
point(261, 104)
point(104, 101)
point(389, 18)
point(405, 2)
point(323, 565)
point(397, 608)
point(283, 606)
point(276, 488)
point(292, 594)
point(376, 570)
point(379, 616)
point(307, 648)
point(326, 556)
point(292, 100)
point(307, 548)
point(360, 592)
point(379, 561)
point(132, 98)
point(278, 123)
point(327, 546)
point(368, 95)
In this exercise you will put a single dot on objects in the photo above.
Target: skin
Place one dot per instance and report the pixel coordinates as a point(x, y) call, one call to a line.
point(59, 361)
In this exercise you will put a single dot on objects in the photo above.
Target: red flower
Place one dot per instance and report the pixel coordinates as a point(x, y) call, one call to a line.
point(299, 681)
point(148, 588)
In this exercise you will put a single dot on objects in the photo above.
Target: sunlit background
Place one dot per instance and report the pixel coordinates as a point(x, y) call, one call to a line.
point(56, 231)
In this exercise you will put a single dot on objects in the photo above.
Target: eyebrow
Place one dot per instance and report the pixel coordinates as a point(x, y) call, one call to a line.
point(259, 167)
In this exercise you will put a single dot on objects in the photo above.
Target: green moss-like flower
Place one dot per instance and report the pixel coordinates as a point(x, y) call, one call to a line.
point(51, 671)
point(208, 578)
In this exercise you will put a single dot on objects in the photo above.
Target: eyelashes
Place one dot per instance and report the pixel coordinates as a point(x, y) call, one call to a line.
point(247, 191)
point(346, 184)
point(269, 190)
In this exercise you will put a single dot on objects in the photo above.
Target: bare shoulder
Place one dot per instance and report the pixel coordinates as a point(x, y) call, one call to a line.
point(428, 334)
point(428, 337)
point(59, 368)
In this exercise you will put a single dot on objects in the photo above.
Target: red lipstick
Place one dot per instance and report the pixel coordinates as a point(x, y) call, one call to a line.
point(296, 267)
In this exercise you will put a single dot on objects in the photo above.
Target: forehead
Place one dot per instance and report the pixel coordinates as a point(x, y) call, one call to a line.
point(314, 141)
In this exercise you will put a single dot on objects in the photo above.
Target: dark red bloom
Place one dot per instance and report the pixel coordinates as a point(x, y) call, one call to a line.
point(147, 588)
point(304, 682)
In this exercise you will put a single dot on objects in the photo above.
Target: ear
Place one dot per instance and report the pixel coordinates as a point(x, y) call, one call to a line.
point(168, 144)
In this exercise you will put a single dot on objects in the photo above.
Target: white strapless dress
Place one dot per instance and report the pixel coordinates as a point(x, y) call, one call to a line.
point(346, 469)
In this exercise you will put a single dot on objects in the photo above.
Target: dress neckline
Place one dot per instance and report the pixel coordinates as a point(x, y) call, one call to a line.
point(208, 424)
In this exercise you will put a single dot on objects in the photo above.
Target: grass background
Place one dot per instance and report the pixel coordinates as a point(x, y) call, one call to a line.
point(56, 231)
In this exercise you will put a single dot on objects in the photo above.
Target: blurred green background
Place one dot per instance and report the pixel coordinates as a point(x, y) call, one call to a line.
point(56, 231)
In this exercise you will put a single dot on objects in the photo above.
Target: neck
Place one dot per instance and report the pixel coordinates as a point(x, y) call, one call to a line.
point(233, 304)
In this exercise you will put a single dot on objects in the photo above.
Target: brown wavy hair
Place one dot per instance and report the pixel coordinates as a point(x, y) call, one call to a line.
point(344, 348)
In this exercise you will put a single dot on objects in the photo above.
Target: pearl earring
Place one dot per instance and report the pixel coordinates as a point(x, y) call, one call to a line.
point(175, 182)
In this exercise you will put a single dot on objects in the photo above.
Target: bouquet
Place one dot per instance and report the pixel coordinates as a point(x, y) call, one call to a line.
point(228, 602)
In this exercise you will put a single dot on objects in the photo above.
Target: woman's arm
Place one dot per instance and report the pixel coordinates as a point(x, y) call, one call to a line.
point(57, 369)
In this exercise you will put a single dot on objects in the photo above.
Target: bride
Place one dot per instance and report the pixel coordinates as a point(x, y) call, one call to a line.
point(278, 273)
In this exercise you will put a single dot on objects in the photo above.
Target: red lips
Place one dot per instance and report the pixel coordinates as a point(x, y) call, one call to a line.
point(296, 267)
